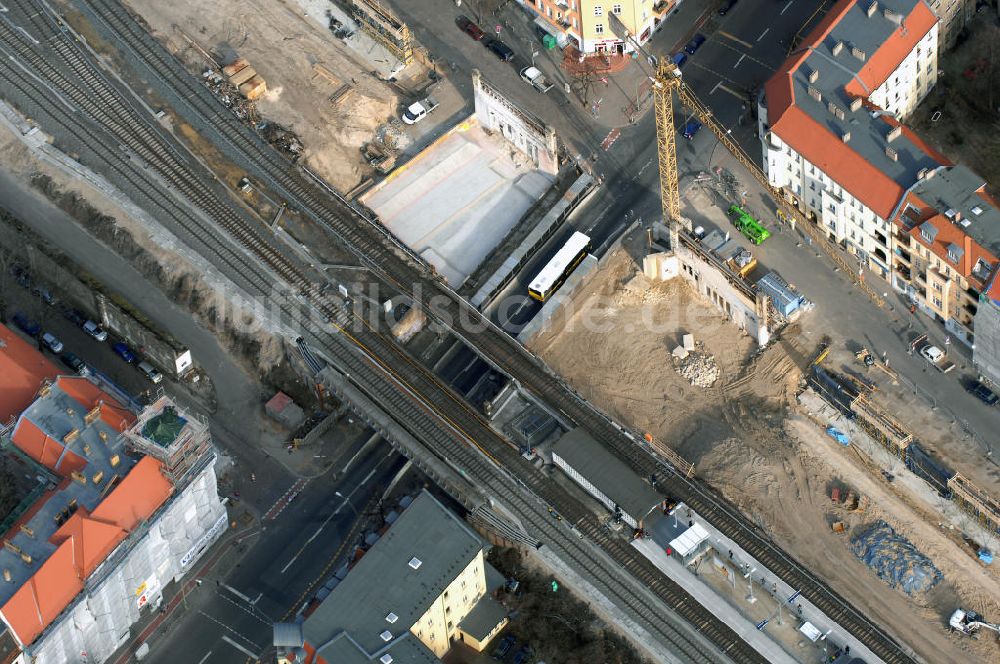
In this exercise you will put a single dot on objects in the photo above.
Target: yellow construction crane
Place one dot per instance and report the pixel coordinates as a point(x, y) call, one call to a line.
point(667, 82)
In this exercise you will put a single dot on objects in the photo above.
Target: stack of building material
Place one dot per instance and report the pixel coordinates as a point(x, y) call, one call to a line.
point(244, 77)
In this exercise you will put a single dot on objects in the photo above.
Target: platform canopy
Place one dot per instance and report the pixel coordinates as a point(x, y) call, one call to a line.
point(688, 542)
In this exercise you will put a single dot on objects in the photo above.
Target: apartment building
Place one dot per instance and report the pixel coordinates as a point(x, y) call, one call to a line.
point(91, 555)
point(947, 242)
point(420, 588)
point(585, 24)
point(954, 15)
point(829, 121)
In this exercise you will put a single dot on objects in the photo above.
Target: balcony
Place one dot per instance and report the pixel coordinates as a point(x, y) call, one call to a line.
point(662, 7)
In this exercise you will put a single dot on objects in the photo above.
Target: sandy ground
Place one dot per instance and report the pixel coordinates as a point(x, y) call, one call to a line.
point(298, 97)
point(747, 440)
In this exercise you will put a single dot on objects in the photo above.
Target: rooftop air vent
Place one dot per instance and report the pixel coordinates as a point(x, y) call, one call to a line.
point(815, 93)
point(835, 110)
point(856, 103)
point(415, 562)
point(385, 659)
point(891, 154)
point(386, 636)
point(837, 48)
point(846, 136)
point(872, 8)
point(922, 173)
point(814, 76)
point(894, 133)
point(391, 618)
point(7, 576)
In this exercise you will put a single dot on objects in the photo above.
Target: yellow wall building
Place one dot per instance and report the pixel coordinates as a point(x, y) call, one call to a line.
point(422, 587)
point(586, 25)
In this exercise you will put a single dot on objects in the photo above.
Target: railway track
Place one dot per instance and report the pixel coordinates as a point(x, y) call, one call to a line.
point(438, 415)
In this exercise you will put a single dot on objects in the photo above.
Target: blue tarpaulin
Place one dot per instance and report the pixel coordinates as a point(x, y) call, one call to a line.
point(838, 435)
point(986, 556)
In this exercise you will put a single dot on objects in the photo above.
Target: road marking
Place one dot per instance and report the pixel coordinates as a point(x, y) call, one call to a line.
point(245, 651)
point(735, 38)
point(712, 91)
point(236, 592)
point(333, 514)
point(766, 30)
point(205, 658)
point(288, 497)
point(785, 8)
point(733, 92)
point(357, 454)
point(739, 61)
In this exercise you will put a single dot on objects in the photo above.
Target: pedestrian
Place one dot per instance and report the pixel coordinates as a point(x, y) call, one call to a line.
point(253, 477)
point(730, 554)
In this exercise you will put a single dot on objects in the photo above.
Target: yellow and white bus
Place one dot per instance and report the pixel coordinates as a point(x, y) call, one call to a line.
point(561, 266)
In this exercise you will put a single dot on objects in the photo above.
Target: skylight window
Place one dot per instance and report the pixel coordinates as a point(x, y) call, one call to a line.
point(415, 562)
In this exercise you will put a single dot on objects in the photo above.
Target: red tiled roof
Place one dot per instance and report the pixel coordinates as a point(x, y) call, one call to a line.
point(83, 542)
point(46, 450)
point(89, 396)
point(892, 51)
point(22, 370)
point(816, 143)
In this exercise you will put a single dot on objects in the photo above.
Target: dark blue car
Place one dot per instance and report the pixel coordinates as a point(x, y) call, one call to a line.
point(694, 44)
point(679, 59)
point(124, 352)
point(28, 326)
point(691, 128)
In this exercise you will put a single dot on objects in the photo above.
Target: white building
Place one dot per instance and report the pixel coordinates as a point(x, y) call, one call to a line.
point(829, 120)
point(133, 504)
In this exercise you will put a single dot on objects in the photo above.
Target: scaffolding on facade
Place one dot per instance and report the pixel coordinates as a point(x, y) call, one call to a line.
point(385, 28)
point(975, 501)
point(177, 440)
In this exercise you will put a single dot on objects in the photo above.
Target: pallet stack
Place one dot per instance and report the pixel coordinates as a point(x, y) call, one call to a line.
point(246, 79)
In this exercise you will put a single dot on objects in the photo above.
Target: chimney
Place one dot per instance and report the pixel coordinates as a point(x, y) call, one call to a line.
point(26, 558)
point(894, 133)
point(891, 154)
point(814, 76)
point(838, 47)
point(846, 136)
point(891, 15)
point(7, 575)
point(71, 436)
point(872, 8)
point(858, 53)
point(835, 110)
point(27, 531)
point(92, 414)
point(115, 460)
point(856, 103)
point(815, 93)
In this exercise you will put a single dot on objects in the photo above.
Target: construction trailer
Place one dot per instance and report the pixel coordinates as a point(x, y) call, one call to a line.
point(383, 26)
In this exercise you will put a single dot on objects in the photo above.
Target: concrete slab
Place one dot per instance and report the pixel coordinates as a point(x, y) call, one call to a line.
point(455, 201)
point(688, 341)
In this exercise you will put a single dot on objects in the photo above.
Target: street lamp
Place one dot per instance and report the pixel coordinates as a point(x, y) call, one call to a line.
point(348, 503)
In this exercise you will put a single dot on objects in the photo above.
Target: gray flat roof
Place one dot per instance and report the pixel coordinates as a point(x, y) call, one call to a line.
point(607, 472)
point(384, 582)
point(405, 650)
point(954, 188)
point(485, 615)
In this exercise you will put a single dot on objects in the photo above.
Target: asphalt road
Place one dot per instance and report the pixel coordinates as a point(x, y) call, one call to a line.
point(228, 617)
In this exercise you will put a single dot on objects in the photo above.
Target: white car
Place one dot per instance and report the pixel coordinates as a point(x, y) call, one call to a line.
point(94, 330)
point(52, 343)
point(932, 354)
point(150, 372)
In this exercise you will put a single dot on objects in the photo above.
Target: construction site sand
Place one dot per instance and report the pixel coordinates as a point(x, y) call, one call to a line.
point(775, 465)
point(283, 44)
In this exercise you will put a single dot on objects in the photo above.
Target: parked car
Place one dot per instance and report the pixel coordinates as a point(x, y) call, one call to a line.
point(22, 276)
point(694, 44)
point(95, 330)
point(468, 26)
point(534, 77)
point(522, 655)
point(501, 50)
point(691, 128)
point(416, 112)
point(150, 372)
point(123, 351)
point(75, 316)
point(28, 326)
point(73, 362)
point(504, 646)
point(984, 394)
point(52, 343)
point(724, 9)
point(932, 353)
point(679, 59)
point(43, 294)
